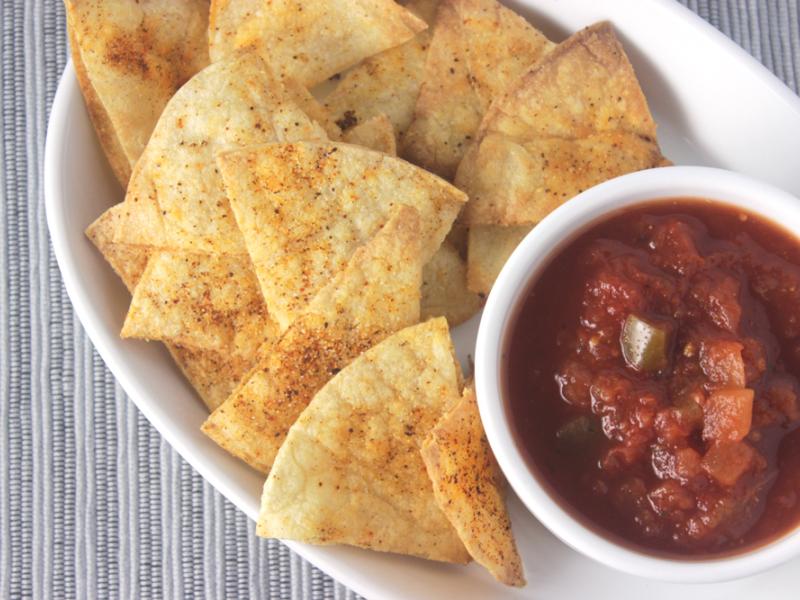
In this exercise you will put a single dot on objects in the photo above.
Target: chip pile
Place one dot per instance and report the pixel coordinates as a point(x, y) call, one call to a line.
point(315, 194)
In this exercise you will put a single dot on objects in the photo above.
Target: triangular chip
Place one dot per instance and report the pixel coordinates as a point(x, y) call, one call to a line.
point(200, 301)
point(213, 374)
point(479, 48)
point(127, 260)
point(466, 483)
point(135, 221)
point(387, 83)
point(488, 250)
point(350, 470)
point(444, 288)
point(304, 208)
point(306, 101)
point(374, 296)
point(230, 104)
point(574, 120)
point(130, 58)
point(309, 41)
point(376, 133)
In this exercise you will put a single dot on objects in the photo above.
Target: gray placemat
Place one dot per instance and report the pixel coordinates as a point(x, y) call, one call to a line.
point(93, 504)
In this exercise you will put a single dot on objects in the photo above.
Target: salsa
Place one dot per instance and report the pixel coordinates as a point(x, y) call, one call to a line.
point(652, 377)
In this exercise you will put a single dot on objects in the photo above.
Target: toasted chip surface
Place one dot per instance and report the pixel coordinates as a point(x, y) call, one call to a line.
point(350, 471)
point(130, 58)
point(489, 247)
point(304, 208)
point(128, 260)
point(376, 294)
point(376, 133)
point(230, 104)
point(310, 41)
point(200, 301)
point(444, 287)
point(465, 482)
point(479, 48)
point(213, 375)
point(574, 120)
point(387, 83)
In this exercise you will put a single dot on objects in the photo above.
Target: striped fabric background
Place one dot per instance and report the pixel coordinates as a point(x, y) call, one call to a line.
point(93, 504)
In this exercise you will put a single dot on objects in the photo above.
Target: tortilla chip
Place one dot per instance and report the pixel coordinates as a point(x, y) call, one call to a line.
point(306, 101)
point(376, 133)
point(200, 301)
point(130, 58)
point(535, 150)
point(309, 41)
point(230, 104)
point(479, 48)
point(465, 482)
point(444, 288)
point(304, 208)
point(127, 260)
point(489, 249)
point(350, 470)
point(374, 296)
point(136, 221)
point(212, 374)
point(457, 237)
point(387, 83)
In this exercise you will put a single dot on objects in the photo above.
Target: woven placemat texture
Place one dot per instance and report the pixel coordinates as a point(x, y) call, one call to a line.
point(93, 503)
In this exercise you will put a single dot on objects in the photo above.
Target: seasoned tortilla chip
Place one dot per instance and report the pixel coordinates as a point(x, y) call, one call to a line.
point(304, 208)
point(136, 221)
point(465, 482)
point(444, 288)
point(130, 58)
point(200, 301)
point(489, 249)
point(387, 83)
point(374, 296)
point(535, 150)
point(212, 374)
point(478, 49)
point(127, 260)
point(312, 107)
point(350, 470)
point(231, 104)
point(309, 41)
point(376, 133)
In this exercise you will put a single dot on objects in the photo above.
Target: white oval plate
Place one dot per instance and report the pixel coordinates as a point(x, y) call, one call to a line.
point(715, 105)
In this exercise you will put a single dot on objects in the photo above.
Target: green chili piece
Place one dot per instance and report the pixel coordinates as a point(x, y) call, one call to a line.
point(645, 345)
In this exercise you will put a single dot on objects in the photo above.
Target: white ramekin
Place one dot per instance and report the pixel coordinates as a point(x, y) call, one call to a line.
point(525, 264)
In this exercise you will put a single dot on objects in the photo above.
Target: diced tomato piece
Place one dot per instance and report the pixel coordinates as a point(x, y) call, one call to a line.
point(681, 464)
point(669, 497)
point(615, 295)
point(687, 463)
point(674, 248)
point(618, 458)
point(727, 461)
point(574, 382)
point(728, 415)
point(717, 294)
point(722, 363)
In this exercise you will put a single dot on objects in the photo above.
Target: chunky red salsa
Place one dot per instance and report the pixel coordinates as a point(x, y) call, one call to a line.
point(652, 377)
